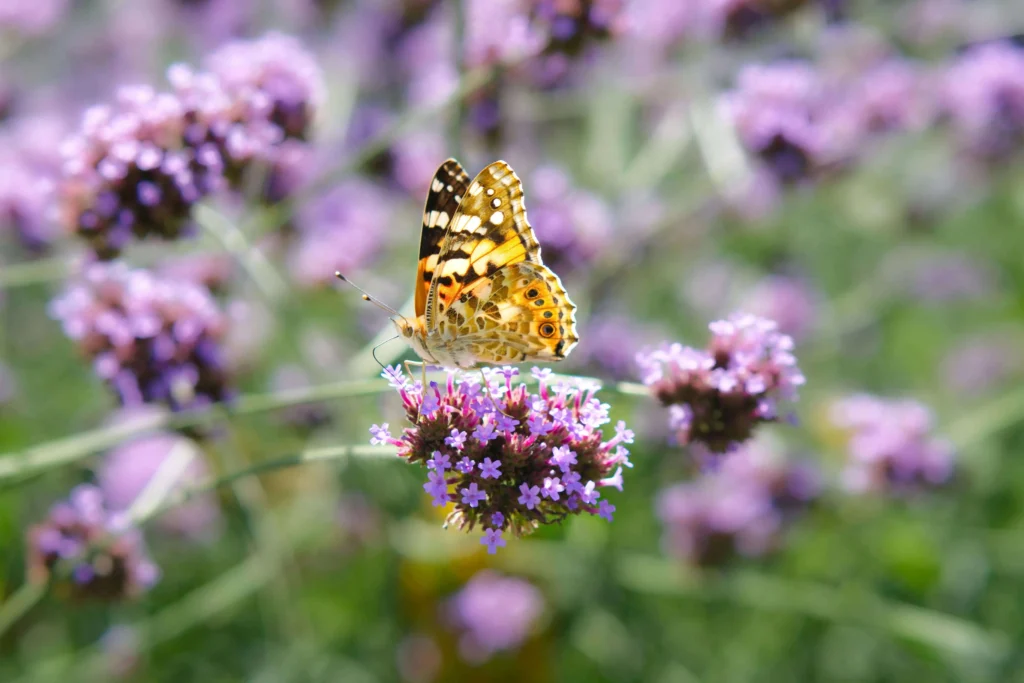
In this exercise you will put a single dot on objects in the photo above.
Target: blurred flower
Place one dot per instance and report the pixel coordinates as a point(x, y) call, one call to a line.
point(891, 448)
point(138, 167)
point(103, 558)
point(981, 363)
point(743, 507)
point(939, 277)
point(984, 98)
point(575, 226)
point(306, 416)
point(789, 301)
point(152, 340)
point(128, 469)
point(343, 229)
point(31, 17)
point(494, 613)
point(29, 167)
point(892, 95)
point(520, 37)
point(717, 396)
point(506, 458)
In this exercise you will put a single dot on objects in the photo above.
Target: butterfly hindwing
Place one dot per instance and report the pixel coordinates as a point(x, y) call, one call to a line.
point(488, 232)
point(443, 197)
point(520, 313)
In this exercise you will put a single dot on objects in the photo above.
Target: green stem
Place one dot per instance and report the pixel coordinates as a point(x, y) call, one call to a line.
point(944, 633)
point(69, 449)
point(990, 418)
point(19, 603)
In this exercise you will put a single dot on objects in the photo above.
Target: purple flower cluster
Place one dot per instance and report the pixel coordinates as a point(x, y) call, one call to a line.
point(88, 551)
point(509, 459)
point(718, 395)
point(575, 226)
point(803, 124)
point(152, 340)
point(137, 167)
point(29, 165)
point(31, 17)
point(494, 613)
point(741, 508)
point(984, 99)
point(891, 448)
point(789, 301)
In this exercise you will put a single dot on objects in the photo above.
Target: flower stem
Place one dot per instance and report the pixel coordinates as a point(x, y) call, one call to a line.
point(19, 603)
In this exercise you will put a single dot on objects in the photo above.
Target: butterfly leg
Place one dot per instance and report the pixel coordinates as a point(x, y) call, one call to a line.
point(423, 375)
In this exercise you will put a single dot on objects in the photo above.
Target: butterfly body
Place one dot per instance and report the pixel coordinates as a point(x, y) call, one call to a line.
point(483, 294)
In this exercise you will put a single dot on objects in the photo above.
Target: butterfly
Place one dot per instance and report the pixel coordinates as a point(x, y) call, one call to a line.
point(482, 292)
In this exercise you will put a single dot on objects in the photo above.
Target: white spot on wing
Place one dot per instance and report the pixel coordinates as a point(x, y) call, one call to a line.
point(437, 185)
point(497, 217)
point(495, 203)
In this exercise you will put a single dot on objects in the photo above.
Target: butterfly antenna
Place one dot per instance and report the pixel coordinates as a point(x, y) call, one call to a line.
point(374, 351)
point(367, 297)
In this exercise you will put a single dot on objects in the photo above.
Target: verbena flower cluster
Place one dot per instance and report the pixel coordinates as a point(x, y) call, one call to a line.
point(152, 340)
point(137, 167)
point(718, 395)
point(507, 458)
point(494, 613)
point(741, 508)
point(89, 551)
point(891, 447)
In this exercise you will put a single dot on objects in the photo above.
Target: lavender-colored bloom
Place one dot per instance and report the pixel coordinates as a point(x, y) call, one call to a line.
point(982, 362)
point(940, 277)
point(742, 507)
point(514, 465)
point(340, 230)
point(439, 462)
point(984, 98)
point(472, 496)
point(575, 226)
point(492, 538)
point(151, 340)
point(789, 301)
point(128, 469)
point(137, 167)
point(720, 394)
point(494, 613)
point(891, 448)
point(81, 546)
point(31, 17)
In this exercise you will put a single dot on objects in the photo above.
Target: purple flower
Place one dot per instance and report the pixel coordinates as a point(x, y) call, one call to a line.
point(978, 364)
point(104, 559)
point(490, 469)
point(437, 487)
point(472, 496)
point(563, 458)
point(984, 99)
point(484, 431)
point(719, 395)
point(497, 520)
point(741, 507)
point(494, 613)
point(589, 494)
point(465, 466)
point(552, 487)
point(137, 167)
point(493, 540)
point(439, 462)
point(457, 440)
point(605, 509)
point(530, 496)
point(891, 448)
point(379, 434)
point(151, 340)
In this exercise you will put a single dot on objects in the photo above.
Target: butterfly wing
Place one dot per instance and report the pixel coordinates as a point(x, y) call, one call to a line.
point(446, 192)
point(519, 313)
point(488, 232)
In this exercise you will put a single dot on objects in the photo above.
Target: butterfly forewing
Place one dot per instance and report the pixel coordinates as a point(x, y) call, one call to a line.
point(487, 232)
point(446, 192)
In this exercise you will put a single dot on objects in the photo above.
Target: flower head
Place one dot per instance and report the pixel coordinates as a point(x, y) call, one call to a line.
point(740, 508)
point(151, 340)
point(494, 612)
point(718, 395)
point(891, 447)
point(89, 551)
point(511, 472)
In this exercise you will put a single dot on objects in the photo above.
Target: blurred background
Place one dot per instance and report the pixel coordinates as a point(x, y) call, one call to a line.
point(187, 488)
